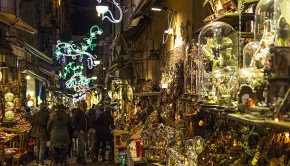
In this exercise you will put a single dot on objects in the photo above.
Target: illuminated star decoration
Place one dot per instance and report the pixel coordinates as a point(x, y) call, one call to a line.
point(78, 81)
point(111, 18)
point(71, 50)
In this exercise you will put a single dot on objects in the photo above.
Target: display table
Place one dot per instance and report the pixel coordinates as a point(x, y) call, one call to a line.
point(120, 143)
point(134, 160)
point(3, 142)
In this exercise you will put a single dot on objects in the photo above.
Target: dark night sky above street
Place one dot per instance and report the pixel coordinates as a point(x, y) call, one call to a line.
point(84, 17)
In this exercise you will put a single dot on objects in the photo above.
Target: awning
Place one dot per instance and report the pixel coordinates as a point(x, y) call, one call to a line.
point(36, 76)
point(132, 33)
point(20, 52)
point(13, 21)
point(34, 51)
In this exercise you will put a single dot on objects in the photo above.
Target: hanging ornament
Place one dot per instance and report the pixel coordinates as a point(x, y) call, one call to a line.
point(69, 49)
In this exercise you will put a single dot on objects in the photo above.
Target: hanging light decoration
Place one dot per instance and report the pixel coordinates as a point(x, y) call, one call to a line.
point(78, 81)
point(71, 50)
point(103, 9)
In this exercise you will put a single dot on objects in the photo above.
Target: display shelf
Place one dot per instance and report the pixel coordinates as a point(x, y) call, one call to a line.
point(281, 125)
point(247, 34)
point(243, 119)
point(133, 160)
point(145, 94)
point(249, 3)
point(231, 18)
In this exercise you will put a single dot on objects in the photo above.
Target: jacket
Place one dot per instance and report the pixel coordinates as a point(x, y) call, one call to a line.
point(79, 120)
point(58, 127)
point(91, 118)
point(38, 123)
point(105, 123)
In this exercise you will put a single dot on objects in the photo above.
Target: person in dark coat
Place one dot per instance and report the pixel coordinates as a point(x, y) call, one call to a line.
point(80, 124)
point(59, 140)
point(104, 131)
point(28, 115)
point(92, 132)
point(39, 131)
point(70, 131)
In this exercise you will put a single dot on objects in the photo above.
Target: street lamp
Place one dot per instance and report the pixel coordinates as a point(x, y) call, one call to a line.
point(102, 8)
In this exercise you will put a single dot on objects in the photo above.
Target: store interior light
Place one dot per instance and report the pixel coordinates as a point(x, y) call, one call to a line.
point(164, 86)
point(94, 77)
point(156, 9)
point(28, 77)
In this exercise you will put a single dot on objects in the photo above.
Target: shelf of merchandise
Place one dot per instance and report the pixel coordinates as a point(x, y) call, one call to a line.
point(281, 125)
point(243, 119)
point(249, 3)
point(147, 94)
point(232, 19)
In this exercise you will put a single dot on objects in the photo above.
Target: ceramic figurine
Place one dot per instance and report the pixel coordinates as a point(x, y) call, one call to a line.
point(9, 106)
point(9, 116)
point(9, 97)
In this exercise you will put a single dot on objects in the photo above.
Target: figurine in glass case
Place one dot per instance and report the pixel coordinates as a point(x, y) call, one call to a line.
point(262, 55)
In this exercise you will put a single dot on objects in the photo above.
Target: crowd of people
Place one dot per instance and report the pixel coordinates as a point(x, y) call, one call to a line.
point(55, 128)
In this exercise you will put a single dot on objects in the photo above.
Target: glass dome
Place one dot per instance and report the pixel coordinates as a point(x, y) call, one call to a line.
point(218, 87)
point(217, 50)
point(249, 53)
point(282, 18)
point(264, 21)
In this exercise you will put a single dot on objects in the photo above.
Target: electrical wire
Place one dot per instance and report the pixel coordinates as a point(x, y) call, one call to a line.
point(164, 39)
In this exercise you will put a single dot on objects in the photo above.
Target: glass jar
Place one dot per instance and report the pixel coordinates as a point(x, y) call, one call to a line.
point(282, 19)
point(217, 51)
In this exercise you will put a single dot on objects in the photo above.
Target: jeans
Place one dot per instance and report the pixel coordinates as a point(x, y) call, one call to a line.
point(40, 150)
point(93, 142)
point(81, 145)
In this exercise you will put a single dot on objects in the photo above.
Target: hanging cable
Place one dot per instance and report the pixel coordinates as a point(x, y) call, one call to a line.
point(164, 39)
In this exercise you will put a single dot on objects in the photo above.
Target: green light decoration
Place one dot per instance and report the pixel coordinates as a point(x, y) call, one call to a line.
point(78, 81)
point(71, 50)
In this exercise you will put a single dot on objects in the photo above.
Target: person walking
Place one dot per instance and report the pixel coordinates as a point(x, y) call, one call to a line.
point(80, 124)
point(92, 132)
point(70, 131)
point(39, 131)
point(59, 140)
point(104, 132)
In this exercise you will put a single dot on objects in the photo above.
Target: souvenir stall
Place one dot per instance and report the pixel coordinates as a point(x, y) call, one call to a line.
point(13, 130)
point(233, 108)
